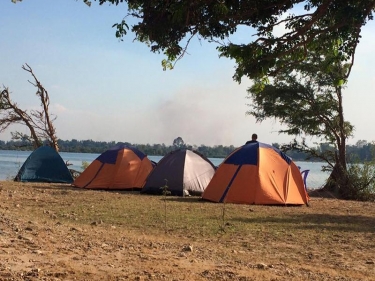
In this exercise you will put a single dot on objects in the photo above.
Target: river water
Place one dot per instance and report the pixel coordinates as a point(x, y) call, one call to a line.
point(12, 160)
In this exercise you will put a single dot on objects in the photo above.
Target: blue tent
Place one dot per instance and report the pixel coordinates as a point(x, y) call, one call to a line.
point(44, 165)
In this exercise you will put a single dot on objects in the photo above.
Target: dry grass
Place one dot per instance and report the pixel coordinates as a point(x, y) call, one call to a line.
point(57, 232)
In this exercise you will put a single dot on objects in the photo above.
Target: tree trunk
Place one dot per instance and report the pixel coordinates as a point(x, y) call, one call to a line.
point(338, 179)
point(39, 122)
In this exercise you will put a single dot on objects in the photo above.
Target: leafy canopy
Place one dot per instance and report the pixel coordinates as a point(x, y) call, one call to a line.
point(307, 99)
point(167, 26)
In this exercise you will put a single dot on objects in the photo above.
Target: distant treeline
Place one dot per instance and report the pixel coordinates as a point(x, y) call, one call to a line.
point(90, 146)
point(363, 152)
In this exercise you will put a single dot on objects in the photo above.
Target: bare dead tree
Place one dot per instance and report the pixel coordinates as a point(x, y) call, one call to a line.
point(39, 122)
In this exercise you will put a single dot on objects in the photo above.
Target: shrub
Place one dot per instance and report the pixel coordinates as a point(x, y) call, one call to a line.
point(85, 164)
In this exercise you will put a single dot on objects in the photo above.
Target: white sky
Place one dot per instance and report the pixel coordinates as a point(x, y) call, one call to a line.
point(106, 90)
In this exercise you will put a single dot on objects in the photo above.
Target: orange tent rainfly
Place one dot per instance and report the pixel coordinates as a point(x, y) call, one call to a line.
point(121, 167)
point(257, 173)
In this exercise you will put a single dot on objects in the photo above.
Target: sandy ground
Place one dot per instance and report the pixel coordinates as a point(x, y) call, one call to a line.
point(45, 248)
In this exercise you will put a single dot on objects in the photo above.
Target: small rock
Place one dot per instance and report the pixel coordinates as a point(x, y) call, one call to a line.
point(76, 229)
point(29, 239)
point(261, 266)
point(97, 222)
point(182, 255)
point(188, 248)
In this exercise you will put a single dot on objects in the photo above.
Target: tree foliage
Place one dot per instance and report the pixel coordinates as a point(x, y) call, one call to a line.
point(168, 27)
point(178, 142)
point(307, 99)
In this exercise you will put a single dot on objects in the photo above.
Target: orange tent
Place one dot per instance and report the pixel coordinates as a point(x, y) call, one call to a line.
point(257, 173)
point(121, 167)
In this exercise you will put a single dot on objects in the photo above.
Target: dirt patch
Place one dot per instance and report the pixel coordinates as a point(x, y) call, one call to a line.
point(55, 232)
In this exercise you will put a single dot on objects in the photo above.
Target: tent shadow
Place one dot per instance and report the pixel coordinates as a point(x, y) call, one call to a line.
point(344, 223)
point(186, 199)
point(65, 187)
point(54, 186)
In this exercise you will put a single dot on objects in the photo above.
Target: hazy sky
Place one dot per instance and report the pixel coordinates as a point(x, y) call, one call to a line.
point(106, 90)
